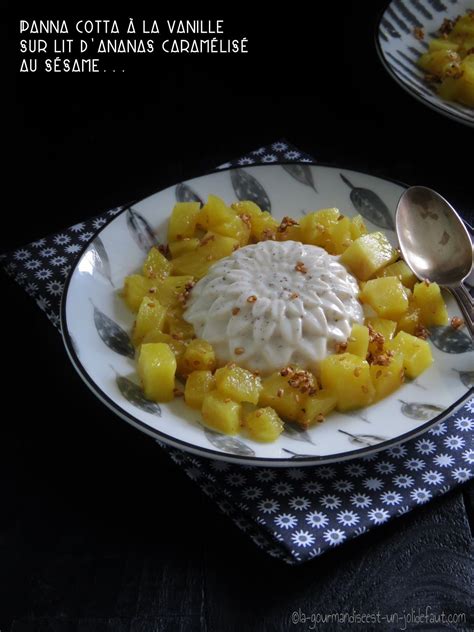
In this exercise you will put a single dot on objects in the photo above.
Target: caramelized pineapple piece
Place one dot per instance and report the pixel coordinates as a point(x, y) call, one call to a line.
point(214, 212)
point(416, 353)
point(400, 270)
point(441, 63)
point(264, 424)
point(262, 224)
point(368, 254)
point(315, 227)
point(182, 222)
point(199, 356)
point(279, 395)
point(221, 413)
point(198, 385)
point(340, 235)
point(386, 296)
point(212, 248)
point(238, 384)
point(347, 376)
point(135, 288)
point(157, 368)
point(381, 326)
point(410, 320)
point(156, 266)
point(169, 291)
point(427, 297)
point(178, 347)
point(314, 408)
point(176, 326)
point(358, 227)
point(358, 341)
point(387, 378)
point(188, 244)
point(151, 316)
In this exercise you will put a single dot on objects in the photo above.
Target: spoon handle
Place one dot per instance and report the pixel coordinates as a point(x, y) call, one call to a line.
point(465, 303)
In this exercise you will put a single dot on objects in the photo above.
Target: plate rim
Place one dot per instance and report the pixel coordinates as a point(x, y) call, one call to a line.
point(213, 453)
point(440, 109)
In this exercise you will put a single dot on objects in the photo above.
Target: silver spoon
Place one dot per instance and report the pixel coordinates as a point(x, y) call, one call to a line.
point(435, 244)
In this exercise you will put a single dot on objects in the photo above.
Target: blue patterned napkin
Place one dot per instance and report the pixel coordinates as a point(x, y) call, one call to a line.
point(294, 514)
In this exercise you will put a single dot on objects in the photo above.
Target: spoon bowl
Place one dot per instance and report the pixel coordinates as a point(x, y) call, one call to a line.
point(435, 243)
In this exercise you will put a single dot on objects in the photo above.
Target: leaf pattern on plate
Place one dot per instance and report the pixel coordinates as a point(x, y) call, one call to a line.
point(296, 432)
point(247, 187)
point(466, 377)
point(184, 193)
point(226, 443)
point(370, 206)
point(302, 173)
point(363, 439)
point(140, 230)
point(134, 394)
point(101, 259)
point(421, 412)
point(112, 334)
point(297, 455)
point(450, 340)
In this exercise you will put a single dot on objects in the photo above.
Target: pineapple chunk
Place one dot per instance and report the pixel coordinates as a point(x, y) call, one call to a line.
point(151, 316)
point(238, 384)
point(157, 368)
point(315, 407)
point(381, 326)
point(348, 377)
point(199, 356)
point(340, 234)
point(427, 297)
point(135, 288)
point(289, 233)
point(198, 262)
point(387, 296)
point(177, 327)
point(465, 91)
point(400, 270)
point(169, 290)
point(358, 227)
point(178, 347)
point(442, 44)
point(156, 266)
point(221, 413)
point(441, 63)
point(182, 222)
point(262, 224)
point(387, 379)
point(416, 353)
point(198, 385)
point(279, 395)
point(188, 244)
point(410, 321)
point(358, 342)
point(315, 227)
point(367, 254)
point(264, 424)
point(213, 213)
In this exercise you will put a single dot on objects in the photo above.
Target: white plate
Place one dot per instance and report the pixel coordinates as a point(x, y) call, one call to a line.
point(399, 49)
point(95, 322)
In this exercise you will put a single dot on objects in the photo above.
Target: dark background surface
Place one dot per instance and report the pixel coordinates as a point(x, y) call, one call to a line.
point(98, 530)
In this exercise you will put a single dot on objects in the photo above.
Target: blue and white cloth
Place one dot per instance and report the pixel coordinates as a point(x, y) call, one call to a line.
point(294, 514)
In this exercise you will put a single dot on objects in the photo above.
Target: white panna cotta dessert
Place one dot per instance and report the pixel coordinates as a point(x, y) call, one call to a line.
point(273, 304)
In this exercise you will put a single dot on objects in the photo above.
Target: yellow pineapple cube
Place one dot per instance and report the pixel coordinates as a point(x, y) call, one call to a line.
point(214, 212)
point(188, 244)
point(289, 233)
point(358, 227)
point(238, 384)
point(441, 63)
point(314, 408)
point(264, 424)
point(169, 290)
point(199, 356)
point(386, 296)
point(198, 385)
point(315, 227)
point(178, 347)
point(151, 316)
point(157, 368)
point(427, 297)
point(262, 224)
point(358, 341)
point(182, 222)
point(410, 320)
point(387, 378)
point(381, 326)
point(340, 235)
point(156, 266)
point(221, 413)
point(176, 326)
point(400, 270)
point(212, 248)
point(135, 288)
point(368, 254)
point(348, 377)
point(279, 395)
point(416, 353)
